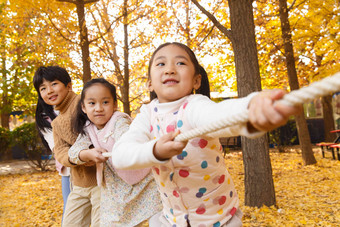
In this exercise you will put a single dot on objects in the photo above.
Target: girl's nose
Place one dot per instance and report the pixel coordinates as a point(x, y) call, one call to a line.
point(99, 107)
point(170, 70)
point(49, 89)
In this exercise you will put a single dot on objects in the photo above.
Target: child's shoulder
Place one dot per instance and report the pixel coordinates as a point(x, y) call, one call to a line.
point(121, 116)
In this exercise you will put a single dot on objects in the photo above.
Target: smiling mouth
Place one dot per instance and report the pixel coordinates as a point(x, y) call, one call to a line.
point(170, 82)
point(54, 97)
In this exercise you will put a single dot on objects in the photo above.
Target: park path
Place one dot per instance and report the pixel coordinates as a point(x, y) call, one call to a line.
point(20, 167)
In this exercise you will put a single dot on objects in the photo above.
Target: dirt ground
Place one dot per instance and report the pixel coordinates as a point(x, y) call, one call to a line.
point(20, 167)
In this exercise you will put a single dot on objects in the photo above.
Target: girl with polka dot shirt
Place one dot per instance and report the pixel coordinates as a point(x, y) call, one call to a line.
point(192, 178)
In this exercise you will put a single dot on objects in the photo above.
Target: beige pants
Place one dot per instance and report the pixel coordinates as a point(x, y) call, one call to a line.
point(82, 207)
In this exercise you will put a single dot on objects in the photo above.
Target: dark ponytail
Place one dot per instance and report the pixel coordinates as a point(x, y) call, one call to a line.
point(204, 88)
point(42, 113)
point(79, 120)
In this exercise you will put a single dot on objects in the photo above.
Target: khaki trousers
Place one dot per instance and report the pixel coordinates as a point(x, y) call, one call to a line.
point(82, 207)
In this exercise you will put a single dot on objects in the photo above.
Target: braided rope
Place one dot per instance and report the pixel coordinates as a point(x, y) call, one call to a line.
point(320, 88)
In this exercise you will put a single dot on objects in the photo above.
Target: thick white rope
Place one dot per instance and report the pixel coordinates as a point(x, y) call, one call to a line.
point(324, 87)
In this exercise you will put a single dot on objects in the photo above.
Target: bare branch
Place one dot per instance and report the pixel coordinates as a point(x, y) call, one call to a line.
point(59, 31)
point(90, 1)
point(70, 1)
point(224, 30)
point(207, 35)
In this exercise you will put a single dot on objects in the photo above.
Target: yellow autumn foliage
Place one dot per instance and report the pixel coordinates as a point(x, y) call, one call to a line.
point(306, 195)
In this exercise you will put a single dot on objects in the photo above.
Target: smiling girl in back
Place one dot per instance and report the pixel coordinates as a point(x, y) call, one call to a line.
point(192, 177)
point(128, 197)
point(50, 83)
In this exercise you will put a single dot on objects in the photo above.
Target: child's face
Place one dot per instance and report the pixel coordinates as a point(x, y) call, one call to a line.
point(99, 105)
point(54, 92)
point(173, 74)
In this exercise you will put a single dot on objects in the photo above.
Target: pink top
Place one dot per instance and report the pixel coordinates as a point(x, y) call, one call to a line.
point(104, 138)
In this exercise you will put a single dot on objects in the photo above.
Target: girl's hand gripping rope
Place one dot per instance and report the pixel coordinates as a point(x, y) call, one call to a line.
point(265, 114)
point(165, 148)
point(93, 155)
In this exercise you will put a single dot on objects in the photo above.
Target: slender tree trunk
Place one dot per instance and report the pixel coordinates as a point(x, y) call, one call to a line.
point(187, 22)
point(328, 118)
point(259, 185)
point(84, 41)
point(327, 110)
point(304, 137)
point(4, 105)
point(5, 120)
point(126, 87)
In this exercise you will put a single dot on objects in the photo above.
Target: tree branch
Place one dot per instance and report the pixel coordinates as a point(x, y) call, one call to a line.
point(59, 31)
point(224, 30)
point(70, 1)
point(90, 1)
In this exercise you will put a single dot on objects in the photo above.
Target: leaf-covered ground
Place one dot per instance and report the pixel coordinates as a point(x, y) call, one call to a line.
point(306, 195)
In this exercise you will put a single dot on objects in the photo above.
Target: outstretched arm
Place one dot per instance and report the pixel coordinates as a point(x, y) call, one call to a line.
point(265, 114)
point(134, 149)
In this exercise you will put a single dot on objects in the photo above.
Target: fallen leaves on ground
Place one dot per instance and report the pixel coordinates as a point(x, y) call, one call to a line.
point(305, 195)
point(31, 200)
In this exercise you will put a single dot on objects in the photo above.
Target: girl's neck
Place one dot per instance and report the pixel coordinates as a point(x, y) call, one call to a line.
point(63, 106)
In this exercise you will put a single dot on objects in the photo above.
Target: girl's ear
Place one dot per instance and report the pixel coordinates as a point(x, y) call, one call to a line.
point(115, 105)
point(83, 108)
point(69, 86)
point(197, 81)
point(149, 85)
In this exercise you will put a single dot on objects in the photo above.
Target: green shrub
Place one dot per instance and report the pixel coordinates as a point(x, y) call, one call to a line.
point(26, 136)
point(5, 144)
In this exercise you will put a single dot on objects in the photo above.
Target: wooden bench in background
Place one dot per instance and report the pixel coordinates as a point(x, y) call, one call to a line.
point(337, 148)
point(331, 146)
point(325, 146)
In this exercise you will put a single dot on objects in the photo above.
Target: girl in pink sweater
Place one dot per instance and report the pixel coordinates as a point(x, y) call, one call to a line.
point(128, 197)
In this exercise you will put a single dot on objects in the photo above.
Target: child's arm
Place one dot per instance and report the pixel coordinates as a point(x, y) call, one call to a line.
point(82, 153)
point(266, 115)
point(134, 149)
point(93, 155)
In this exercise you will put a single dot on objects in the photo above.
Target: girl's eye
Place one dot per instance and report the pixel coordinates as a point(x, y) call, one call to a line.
point(106, 102)
point(42, 89)
point(160, 64)
point(91, 103)
point(54, 83)
point(180, 63)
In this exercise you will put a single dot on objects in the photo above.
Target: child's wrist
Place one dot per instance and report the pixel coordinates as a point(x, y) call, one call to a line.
point(75, 158)
point(82, 159)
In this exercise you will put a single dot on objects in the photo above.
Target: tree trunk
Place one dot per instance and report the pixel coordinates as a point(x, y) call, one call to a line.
point(259, 185)
point(327, 110)
point(304, 137)
point(126, 86)
point(328, 118)
point(84, 41)
point(5, 104)
point(5, 120)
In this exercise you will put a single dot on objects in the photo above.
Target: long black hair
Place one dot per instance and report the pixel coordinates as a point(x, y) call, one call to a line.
point(80, 118)
point(43, 110)
point(204, 89)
